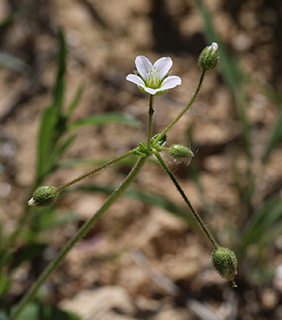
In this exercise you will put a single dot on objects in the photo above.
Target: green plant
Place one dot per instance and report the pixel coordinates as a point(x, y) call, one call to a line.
point(151, 79)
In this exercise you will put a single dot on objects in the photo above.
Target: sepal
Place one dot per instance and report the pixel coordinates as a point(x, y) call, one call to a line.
point(43, 196)
point(209, 57)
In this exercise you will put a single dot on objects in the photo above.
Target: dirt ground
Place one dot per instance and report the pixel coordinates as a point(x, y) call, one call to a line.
point(140, 261)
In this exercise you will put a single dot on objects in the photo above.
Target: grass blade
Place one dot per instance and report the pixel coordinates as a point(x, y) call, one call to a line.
point(74, 102)
point(58, 94)
point(61, 148)
point(261, 223)
point(232, 74)
point(274, 139)
point(45, 141)
point(37, 311)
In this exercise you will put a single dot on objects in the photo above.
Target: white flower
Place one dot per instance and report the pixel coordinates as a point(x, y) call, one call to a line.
point(213, 46)
point(153, 78)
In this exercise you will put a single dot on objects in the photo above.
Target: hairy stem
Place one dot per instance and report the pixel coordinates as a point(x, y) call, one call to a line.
point(105, 165)
point(194, 212)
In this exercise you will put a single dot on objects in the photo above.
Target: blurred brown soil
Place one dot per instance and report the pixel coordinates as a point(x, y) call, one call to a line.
point(145, 262)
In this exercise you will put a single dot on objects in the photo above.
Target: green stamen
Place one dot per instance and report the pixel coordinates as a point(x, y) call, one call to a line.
point(153, 81)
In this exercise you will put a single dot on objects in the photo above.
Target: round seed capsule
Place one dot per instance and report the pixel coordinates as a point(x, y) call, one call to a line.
point(225, 262)
point(43, 196)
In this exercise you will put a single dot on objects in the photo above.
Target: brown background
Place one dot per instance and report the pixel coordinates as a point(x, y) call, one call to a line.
point(144, 262)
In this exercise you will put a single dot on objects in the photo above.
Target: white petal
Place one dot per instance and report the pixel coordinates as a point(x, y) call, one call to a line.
point(163, 66)
point(135, 79)
point(170, 82)
point(214, 46)
point(151, 91)
point(143, 65)
point(31, 202)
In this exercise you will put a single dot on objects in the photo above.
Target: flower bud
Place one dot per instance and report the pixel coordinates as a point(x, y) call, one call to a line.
point(177, 151)
point(43, 196)
point(225, 262)
point(209, 57)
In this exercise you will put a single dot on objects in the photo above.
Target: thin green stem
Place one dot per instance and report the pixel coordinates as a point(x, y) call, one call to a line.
point(183, 111)
point(150, 125)
point(95, 170)
point(25, 215)
point(194, 212)
point(79, 235)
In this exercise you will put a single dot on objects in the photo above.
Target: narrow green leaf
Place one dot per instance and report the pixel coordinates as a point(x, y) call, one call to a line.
point(61, 148)
point(105, 118)
point(37, 311)
point(58, 94)
point(53, 123)
point(5, 257)
point(274, 139)
point(74, 102)
point(5, 284)
point(261, 222)
point(232, 74)
point(45, 140)
point(230, 69)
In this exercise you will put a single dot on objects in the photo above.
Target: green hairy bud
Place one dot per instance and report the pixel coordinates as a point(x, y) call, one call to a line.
point(43, 196)
point(209, 57)
point(177, 151)
point(225, 262)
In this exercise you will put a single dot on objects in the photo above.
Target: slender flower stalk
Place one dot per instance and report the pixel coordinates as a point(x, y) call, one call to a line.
point(79, 235)
point(194, 212)
point(150, 125)
point(25, 216)
point(88, 174)
point(161, 135)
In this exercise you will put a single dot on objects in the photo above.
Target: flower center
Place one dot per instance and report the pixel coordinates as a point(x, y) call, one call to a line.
point(153, 81)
